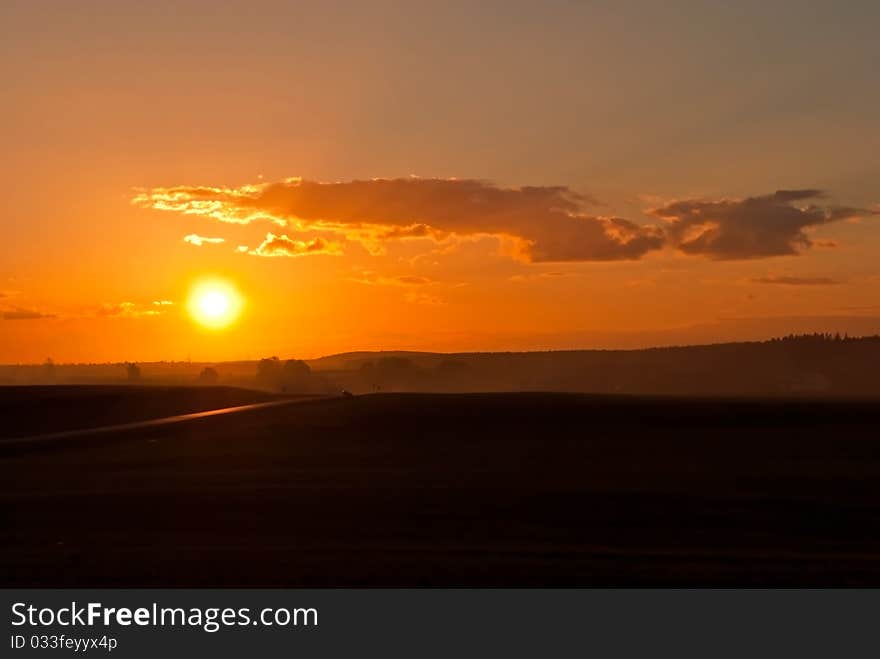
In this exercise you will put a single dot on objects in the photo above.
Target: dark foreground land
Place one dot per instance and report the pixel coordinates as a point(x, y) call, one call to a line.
point(457, 490)
point(43, 409)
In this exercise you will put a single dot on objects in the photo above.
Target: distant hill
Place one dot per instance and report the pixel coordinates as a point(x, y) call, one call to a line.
point(815, 364)
point(802, 365)
point(348, 360)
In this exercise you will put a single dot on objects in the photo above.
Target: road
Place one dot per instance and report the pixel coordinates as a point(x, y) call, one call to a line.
point(48, 438)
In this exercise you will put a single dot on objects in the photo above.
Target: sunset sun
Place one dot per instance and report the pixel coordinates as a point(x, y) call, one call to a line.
point(214, 303)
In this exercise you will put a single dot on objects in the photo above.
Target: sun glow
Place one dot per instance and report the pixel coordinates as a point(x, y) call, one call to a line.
point(214, 303)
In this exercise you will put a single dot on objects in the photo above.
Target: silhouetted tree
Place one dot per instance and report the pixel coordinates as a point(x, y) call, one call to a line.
point(296, 376)
point(133, 372)
point(49, 370)
point(208, 376)
point(269, 373)
point(293, 375)
point(296, 369)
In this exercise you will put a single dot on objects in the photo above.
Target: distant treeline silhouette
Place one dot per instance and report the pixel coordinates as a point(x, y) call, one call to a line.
point(820, 364)
point(821, 337)
point(291, 376)
point(804, 364)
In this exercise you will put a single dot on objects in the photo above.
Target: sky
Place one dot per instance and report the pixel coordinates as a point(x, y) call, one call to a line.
point(448, 176)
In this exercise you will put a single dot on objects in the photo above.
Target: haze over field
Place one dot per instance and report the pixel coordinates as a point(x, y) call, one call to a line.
point(227, 181)
point(805, 365)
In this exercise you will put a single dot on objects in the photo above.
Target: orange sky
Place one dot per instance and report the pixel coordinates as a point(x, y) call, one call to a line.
point(438, 176)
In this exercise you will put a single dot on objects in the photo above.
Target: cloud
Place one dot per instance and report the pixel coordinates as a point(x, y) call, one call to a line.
point(414, 284)
point(756, 227)
point(533, 276)
point(198, 241)
point(419, 297)
point(796, 281)
point(23, 314)
point(533, 223)
point(220, 203)
point(543, 223)
point(413, 280)
point(132, 310)
point(283, 246)
point(371, 278)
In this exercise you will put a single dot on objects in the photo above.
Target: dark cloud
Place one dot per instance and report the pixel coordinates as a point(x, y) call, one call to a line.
point(545, 223)
point(769, 225)
point(796, 281)
point(412, 231)
point(23, 314)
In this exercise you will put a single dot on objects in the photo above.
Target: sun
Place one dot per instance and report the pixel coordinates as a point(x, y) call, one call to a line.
point(214, 303)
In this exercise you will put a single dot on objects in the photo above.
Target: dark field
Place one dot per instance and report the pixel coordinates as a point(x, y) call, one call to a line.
point(44, 409)
point(456, 490)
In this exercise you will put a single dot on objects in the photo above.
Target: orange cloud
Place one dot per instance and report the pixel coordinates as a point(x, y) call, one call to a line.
point(533, 276)
point(198, 241)
point(371, 278)
point(133, 310)
point(534, 224)
point(419, 297)
point(218, 203)
point(415, 285)
point(283, 246)
point(545, 223)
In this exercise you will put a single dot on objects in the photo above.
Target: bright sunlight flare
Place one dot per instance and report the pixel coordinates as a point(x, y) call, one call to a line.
point(214, 303)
